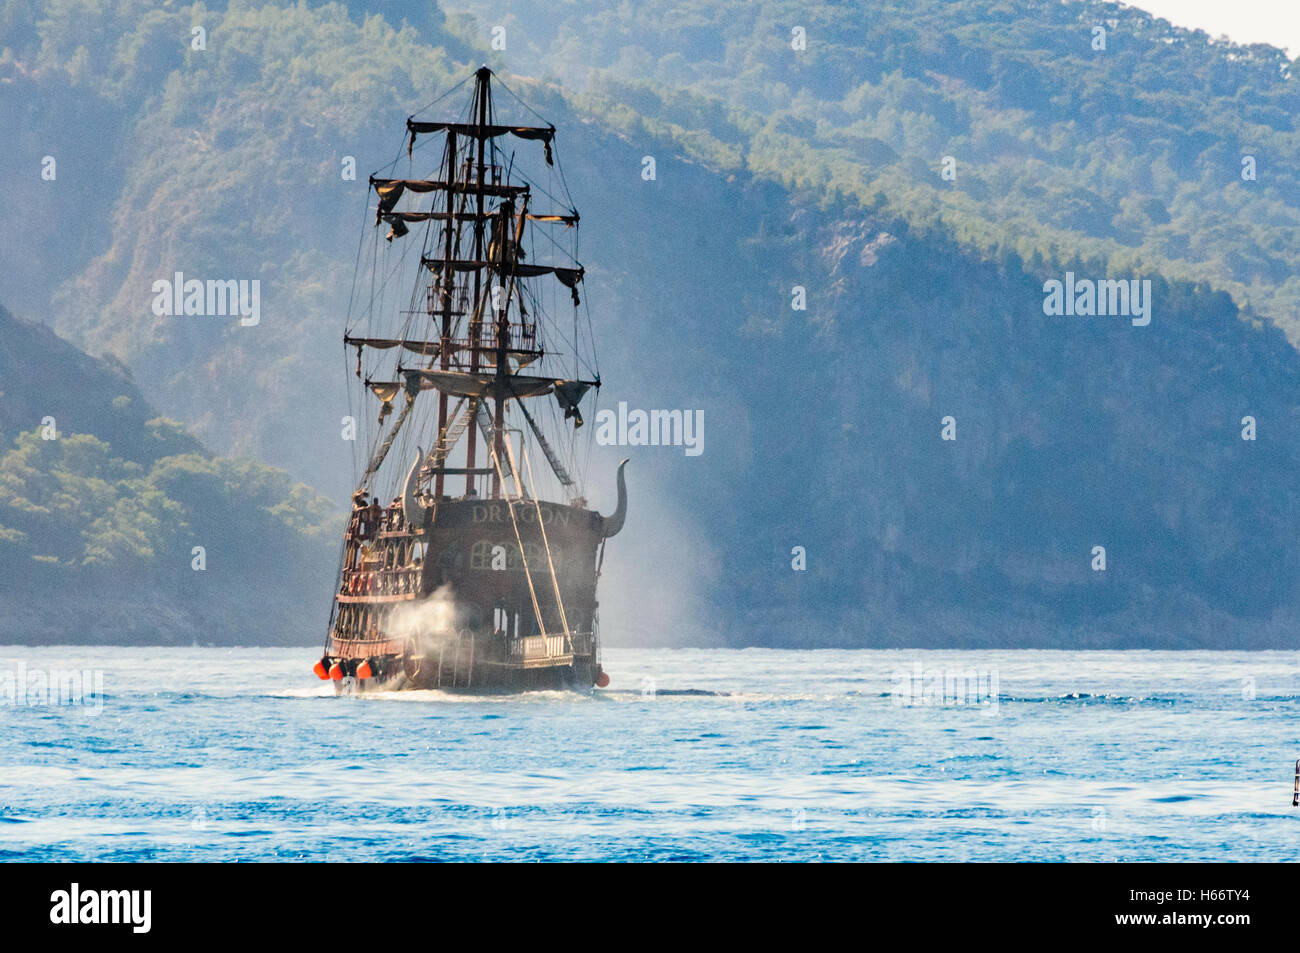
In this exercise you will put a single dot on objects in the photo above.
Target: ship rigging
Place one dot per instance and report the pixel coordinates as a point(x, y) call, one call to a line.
point(480, 571)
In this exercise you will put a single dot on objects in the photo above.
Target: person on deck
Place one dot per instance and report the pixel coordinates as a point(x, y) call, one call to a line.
point(357, 524)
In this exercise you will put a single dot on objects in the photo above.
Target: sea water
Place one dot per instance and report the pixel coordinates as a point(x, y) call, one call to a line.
point(207, 754)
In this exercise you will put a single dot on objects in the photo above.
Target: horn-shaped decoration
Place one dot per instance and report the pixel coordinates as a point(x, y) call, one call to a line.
point(416, 514)
point(610, 525)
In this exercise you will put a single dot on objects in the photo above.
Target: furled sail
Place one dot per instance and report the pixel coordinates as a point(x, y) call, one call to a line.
point(569, 277)
point(429, 348)
point(470, 384)
point(385, 391)
point(567, 395)
point(390, 191)
point(568, 220)
point(397, 228)
point(543, 134)
point(397, 221)
point(521, 358)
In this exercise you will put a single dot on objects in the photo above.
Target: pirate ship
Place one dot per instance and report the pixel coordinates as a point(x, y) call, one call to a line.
point(480, 571)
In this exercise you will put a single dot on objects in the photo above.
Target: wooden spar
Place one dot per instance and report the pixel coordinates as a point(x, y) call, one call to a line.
point(476, 326)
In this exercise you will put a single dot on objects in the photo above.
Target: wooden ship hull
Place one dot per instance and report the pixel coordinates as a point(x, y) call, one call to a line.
point(456, 607)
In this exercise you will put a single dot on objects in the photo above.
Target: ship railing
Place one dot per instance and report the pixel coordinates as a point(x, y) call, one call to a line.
point(381, 582)
point(537, 646)
point(521, 336)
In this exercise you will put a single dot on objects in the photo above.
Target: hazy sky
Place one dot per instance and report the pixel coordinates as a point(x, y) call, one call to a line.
point(1244, 21)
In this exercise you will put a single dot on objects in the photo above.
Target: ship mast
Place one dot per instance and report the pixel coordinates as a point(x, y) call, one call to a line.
point(455, 364)
point(445, 300)
point(483, 92)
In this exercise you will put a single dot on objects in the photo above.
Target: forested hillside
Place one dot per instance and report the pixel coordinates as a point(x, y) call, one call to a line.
point(776, 170)
point(117, 526)
point(1077, 130)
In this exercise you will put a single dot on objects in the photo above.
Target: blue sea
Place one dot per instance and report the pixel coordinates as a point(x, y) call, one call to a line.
point(207, 754)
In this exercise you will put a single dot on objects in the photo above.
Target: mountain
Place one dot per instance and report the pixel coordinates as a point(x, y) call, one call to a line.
point(117, 526)
point(778, 181)
point(1087, 130)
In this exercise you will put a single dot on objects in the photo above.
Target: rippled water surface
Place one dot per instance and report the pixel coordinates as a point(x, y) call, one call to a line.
point(241, 754)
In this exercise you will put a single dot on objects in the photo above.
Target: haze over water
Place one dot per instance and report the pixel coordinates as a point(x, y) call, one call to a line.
point(241, 754)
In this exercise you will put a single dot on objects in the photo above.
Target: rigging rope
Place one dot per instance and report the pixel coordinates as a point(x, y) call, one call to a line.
point(378, 459)
point(532, 592)
point(541, 524)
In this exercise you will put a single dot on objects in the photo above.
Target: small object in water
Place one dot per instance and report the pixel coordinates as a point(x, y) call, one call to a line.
point(602, 680)
point(321, 671)
point(1295, 798)
point(336, 672)
point(363, 670)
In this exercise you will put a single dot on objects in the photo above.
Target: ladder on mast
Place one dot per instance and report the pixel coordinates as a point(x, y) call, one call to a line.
point(451, 433)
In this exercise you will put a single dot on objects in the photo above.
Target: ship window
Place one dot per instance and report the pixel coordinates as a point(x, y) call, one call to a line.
point(536, 556)
point(480, 556)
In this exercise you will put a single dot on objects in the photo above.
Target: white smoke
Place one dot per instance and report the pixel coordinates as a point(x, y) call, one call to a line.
point(658, 572)
point(427, 622)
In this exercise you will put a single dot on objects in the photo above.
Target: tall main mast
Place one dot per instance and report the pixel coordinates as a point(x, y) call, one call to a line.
point(468, 274)
point(445, 302)
point(483, 93)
